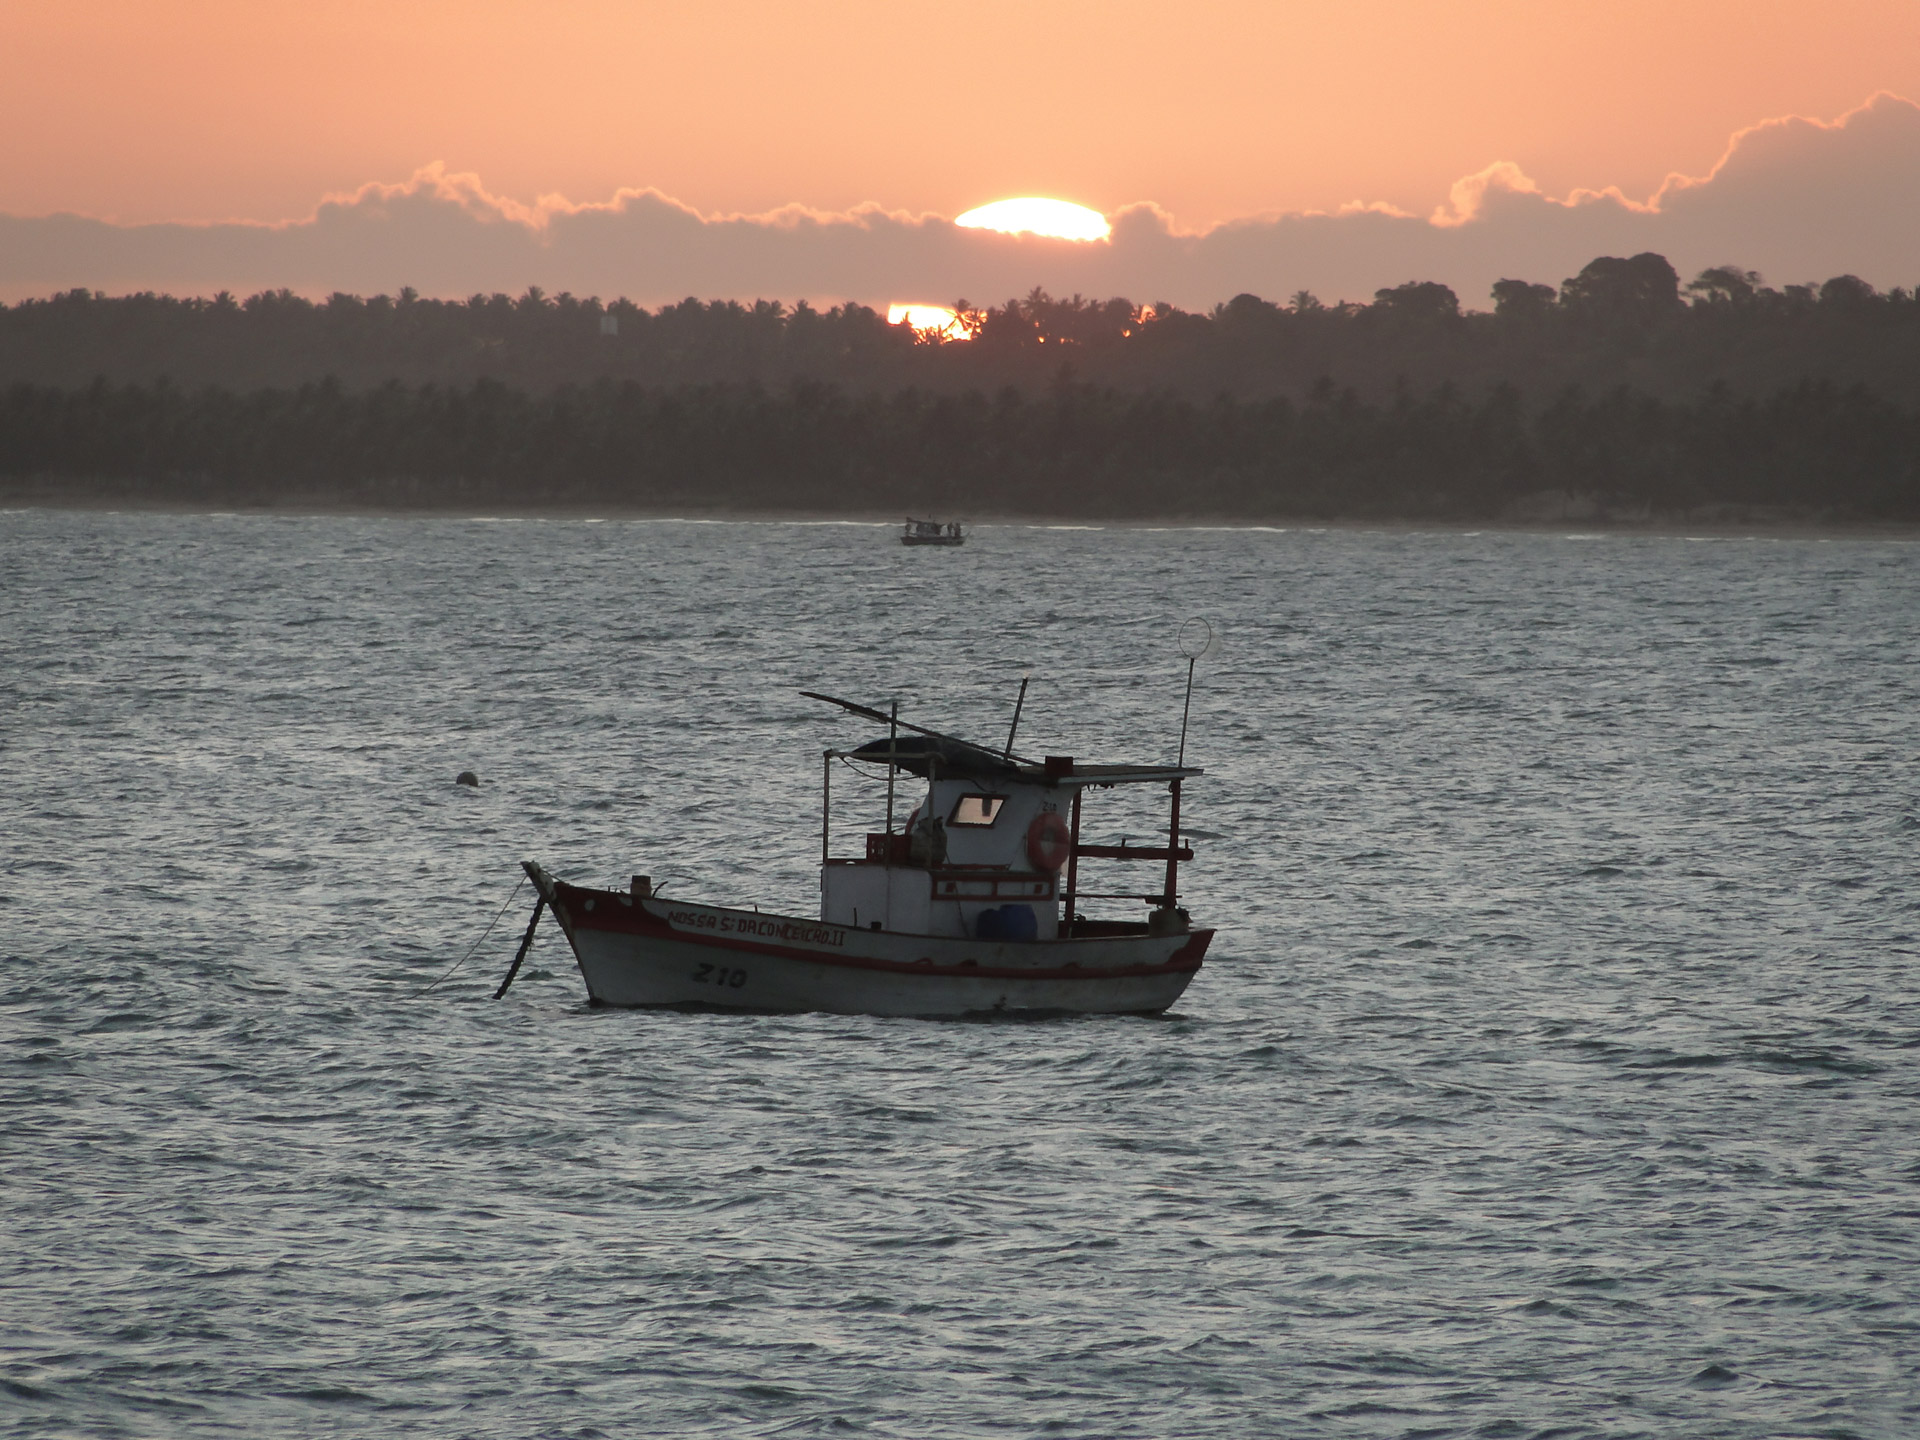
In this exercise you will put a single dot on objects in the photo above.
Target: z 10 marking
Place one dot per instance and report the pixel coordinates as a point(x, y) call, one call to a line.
point(720, 975)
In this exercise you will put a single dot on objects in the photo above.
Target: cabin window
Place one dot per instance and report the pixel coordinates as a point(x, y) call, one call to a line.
point(979, 811)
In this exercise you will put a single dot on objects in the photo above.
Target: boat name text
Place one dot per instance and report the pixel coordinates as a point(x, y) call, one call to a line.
point(760, 927)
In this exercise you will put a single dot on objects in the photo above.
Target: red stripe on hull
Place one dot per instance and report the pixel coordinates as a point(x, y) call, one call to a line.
point(623, 917)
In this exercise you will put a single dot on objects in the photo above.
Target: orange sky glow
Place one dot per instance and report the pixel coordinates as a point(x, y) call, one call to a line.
point(224, 109)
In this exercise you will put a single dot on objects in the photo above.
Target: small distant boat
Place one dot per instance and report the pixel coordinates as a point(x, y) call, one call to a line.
point(972, 907)
point(932, 532)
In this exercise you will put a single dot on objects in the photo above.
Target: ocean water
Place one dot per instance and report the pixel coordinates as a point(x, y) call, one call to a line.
point(1554, 1071)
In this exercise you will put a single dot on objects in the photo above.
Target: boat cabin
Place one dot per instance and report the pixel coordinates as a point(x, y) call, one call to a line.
point(991, 849)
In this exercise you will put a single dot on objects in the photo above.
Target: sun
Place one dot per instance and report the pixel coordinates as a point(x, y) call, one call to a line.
point(933, 321)
point(1035, 215)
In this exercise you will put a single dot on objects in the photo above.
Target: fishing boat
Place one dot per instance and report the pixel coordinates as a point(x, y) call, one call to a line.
point(971, 906)
point(932, 532)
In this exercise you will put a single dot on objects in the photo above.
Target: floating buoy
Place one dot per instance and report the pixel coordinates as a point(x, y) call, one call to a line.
point(467, 777)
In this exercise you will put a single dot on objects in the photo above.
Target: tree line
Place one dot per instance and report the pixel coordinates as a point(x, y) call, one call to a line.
point(1813, 449)
point(1619, 322)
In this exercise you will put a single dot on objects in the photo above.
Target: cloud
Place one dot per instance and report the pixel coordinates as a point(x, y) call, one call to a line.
point(1797, 199)
point(1810, 199)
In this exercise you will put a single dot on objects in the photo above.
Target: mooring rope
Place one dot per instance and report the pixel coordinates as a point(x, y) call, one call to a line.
point(476, 944)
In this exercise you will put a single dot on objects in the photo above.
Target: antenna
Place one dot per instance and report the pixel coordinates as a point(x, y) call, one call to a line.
point(1014, 729)
point(1194, 643)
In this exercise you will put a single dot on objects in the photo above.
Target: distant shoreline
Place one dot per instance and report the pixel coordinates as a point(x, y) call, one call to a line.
point(1664, 527)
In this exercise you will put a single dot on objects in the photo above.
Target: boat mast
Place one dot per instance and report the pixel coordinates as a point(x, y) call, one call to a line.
point(826, 797)
point(1193, 654)
point(1073, 857)
point(1173, 820)
point(1014, 729)
point(1186, 708)
point(1173, 850)
point(893, 756)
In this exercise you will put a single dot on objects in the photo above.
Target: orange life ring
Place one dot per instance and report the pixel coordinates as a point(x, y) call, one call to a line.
point(1048, 841)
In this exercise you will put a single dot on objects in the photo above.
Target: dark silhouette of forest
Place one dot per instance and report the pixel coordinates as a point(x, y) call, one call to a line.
point(1815, 450)
point(1618, 322)
point(1622, 393)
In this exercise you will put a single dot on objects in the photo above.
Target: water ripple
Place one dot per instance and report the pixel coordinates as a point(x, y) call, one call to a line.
point(1554, 1072)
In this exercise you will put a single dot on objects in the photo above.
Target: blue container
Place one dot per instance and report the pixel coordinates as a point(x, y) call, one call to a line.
point(1008, 922)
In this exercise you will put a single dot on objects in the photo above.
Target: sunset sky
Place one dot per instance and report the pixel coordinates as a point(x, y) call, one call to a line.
point(227, 110)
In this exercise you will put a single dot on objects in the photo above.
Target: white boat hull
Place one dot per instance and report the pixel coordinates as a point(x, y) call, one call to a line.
point(640, 952)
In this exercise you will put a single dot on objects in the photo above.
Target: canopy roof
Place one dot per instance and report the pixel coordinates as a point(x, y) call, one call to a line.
point(1111, 774)
point(922, 751)
point(956, 759)
point(921, 754)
